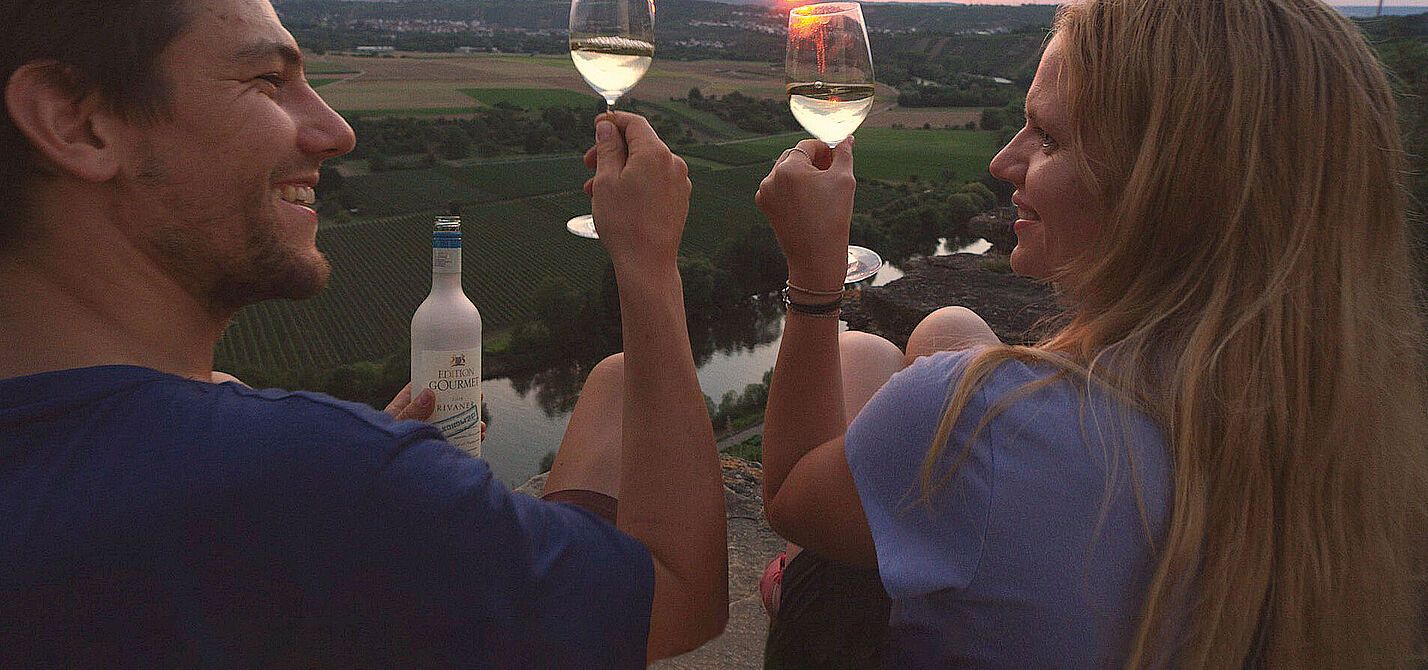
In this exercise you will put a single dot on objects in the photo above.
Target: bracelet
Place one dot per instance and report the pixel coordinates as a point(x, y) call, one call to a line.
point(806, 291)
point(827, 309)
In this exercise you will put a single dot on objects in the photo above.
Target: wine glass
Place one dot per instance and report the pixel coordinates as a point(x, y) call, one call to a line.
point(829, 73)
point(612, 44)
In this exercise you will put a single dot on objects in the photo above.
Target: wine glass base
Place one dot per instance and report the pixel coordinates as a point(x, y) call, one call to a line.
point(862, 264)
point(584, 226)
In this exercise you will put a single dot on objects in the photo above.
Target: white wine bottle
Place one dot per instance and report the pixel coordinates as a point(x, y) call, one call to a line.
point(446, 343)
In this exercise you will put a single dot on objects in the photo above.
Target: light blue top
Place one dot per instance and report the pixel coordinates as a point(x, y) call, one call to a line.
point(1034, 554)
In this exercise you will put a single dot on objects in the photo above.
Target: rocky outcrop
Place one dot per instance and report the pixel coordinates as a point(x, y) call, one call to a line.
point(1017, 308)
point(751, 544)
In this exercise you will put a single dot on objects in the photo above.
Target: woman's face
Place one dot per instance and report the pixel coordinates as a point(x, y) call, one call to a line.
point(1057, 216)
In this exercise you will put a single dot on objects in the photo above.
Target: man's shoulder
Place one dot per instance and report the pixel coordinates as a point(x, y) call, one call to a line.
point(314, 413)
point(164, 409)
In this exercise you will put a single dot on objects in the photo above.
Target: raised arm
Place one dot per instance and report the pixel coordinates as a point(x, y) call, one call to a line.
point(671, 491)
point(809, 494)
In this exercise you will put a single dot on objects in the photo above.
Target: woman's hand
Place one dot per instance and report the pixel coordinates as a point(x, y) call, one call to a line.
point(639, 194)
point(808, 197)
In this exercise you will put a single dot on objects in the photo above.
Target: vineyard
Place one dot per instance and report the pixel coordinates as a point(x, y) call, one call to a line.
point(514, 214)
point(513, 240)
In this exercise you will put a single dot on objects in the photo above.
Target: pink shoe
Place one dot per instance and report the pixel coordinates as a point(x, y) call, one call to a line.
point(771, 584)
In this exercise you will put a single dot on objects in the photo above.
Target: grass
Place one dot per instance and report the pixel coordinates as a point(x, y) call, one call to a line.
point(531, 98)
point(1000, 264)
point(315, 83)
point(317, 66)
point(882, 153)
point(699, 119)
point(513, 216)
point(751, 449)
point(434, 111)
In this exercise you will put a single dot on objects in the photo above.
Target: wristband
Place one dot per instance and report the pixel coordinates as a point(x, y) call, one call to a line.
point(827, 309)
point(807, 291)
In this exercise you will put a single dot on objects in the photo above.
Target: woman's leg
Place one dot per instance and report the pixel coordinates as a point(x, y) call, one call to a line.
point(868, 362)
point(948, 329)
point(831, 616)
point(589, 455)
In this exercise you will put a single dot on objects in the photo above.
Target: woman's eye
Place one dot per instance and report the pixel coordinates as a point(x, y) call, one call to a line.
point(1046, 142)
point(277, 80)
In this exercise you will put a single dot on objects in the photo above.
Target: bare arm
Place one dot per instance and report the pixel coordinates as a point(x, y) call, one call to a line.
point(810, 208)
point(671, 490)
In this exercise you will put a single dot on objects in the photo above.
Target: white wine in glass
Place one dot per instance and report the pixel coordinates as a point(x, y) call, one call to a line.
point(828, 68)
point(830, 112)
point(611, 65)
point(612, 44)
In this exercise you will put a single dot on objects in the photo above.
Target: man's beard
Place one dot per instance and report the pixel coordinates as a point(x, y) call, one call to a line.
point(264, 269)
point(271, 272)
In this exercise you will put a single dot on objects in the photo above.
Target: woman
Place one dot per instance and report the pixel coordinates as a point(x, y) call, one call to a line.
point(1220, 460)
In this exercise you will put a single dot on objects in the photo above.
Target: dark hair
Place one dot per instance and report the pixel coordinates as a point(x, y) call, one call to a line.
point(111, 46)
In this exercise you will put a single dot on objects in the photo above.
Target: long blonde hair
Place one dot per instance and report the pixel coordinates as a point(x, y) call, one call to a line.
point(1255, 270)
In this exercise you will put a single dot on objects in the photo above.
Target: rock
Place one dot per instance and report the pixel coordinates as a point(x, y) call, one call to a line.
point(751, 545)
point(1015, 307)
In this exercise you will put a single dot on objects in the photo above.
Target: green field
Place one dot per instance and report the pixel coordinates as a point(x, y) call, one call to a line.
point(514, 213)
point(881, 153)
point(531, 98)
point(317, 66)
point(350, 114)
point(701, 120)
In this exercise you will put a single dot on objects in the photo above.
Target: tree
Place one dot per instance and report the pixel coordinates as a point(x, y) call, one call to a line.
point(985, 198)
point(377, 162)
point(554, 304)
point(961, 207)
point(454, 144)
point(992, 119)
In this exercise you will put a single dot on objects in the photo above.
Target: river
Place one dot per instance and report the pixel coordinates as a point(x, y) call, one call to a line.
point(528, 416)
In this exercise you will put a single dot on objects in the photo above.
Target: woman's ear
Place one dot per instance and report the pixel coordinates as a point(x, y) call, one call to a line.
point(68, 131)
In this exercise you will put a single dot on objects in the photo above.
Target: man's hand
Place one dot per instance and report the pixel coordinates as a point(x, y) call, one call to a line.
point(220, 377)
point(405, 407)
point(639, 194)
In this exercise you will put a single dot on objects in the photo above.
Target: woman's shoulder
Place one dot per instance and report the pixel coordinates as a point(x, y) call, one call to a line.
point(1031, 405)
point(1006, 381)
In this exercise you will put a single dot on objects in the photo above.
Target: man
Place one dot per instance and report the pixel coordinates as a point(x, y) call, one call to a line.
point(161, 156)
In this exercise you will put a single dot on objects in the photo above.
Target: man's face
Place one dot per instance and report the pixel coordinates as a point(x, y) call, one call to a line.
point(218, 191)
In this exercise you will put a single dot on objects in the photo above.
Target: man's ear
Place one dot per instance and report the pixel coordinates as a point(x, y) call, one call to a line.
point(70, 132)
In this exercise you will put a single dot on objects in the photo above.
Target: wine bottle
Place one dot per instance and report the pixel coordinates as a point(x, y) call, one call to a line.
point(446, 343)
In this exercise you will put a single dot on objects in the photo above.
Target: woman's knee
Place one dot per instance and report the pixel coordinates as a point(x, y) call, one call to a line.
point(868, 361)
point(608, 373)
point(949, 329)
point(858, 348)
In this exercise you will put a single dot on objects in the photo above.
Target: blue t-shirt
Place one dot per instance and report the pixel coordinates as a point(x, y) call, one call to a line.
point(1034, 554)
point(151, 521)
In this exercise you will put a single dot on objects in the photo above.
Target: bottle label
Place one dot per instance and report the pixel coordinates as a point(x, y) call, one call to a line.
point(446, 260)
point(455, 378)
